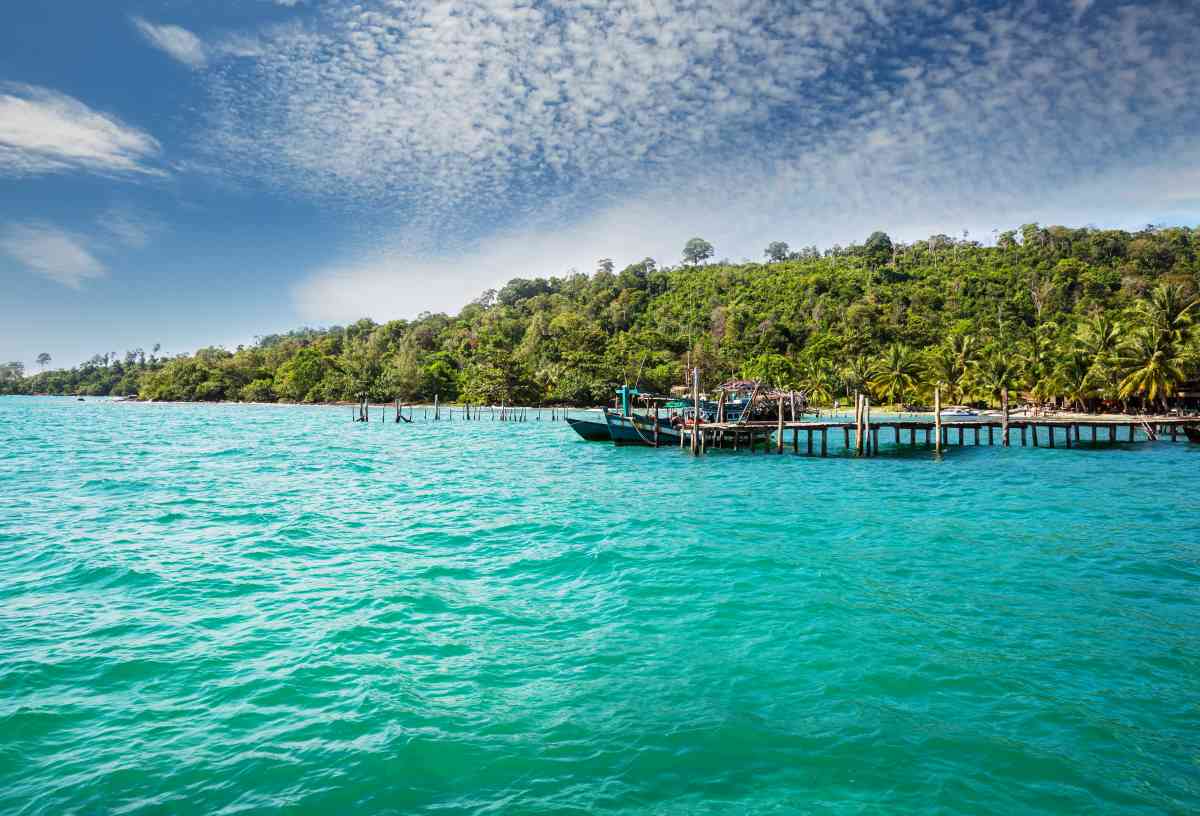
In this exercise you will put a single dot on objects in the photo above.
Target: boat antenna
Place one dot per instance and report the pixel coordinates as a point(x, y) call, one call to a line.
point(641, 365)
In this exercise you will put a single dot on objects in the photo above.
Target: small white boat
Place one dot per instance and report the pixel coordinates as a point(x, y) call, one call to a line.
point(958, 411)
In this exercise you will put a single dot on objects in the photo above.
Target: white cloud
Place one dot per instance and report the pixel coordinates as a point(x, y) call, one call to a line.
point(51, 252)
point(42, 131)
point(175, 41)
point(552, 133)
point(130, 227)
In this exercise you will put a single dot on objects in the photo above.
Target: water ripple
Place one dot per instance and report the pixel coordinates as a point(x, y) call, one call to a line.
point(228, 609)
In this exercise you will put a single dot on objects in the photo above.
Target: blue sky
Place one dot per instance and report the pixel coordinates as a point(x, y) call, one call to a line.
point(192, 172)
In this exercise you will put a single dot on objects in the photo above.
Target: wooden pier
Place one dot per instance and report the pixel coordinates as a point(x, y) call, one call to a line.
point(865, 435)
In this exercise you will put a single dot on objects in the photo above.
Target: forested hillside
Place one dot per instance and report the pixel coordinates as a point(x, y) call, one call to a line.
point(1080, 314)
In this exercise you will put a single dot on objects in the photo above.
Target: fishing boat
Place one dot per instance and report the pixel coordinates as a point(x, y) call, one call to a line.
point(590, 429)
point(1192, 432)
point(626, 426)
point(635, 429)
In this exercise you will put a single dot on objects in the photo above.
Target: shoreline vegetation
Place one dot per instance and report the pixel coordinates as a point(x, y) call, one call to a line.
point(1082, 319)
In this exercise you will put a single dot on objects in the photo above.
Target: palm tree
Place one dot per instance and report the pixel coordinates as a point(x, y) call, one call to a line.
point(857, 373)
point(950, 365)
point(1038, 357)
point(1097, 340)
point(1168, 311)
point(894, 376)
point(996, 372)
point(1073, 376)
point(1153, 366)
point(818, 380)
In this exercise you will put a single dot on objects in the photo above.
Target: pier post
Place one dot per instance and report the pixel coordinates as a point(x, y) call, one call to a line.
point(436, 410)
point(1132, 432)
point(937, 418)
point(1174, 432)
point(858, 422)
point(695, 407)
point(977, 434)
point(796, 440)
point(823, 446)
point(810, 445)
point(991, 439)
point(779, 428)
point(1075, 430)
point(1112, 433)
point(1022, 436)
point(846, 437)
point(1004, 427)
point(912, 437)
point(867, 424)
point(1033, 434)
point(961, 431)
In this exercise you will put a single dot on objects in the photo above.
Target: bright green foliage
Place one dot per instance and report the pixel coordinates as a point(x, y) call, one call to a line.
point(1081, 316)
point(894, 376)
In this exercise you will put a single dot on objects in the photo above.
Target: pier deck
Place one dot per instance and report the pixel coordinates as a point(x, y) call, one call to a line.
point(1035, 431)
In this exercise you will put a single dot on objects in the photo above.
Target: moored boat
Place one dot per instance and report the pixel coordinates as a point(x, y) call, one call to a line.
point(640, 430)
point(590, 429)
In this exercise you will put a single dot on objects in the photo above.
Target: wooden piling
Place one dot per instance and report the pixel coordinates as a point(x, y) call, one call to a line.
point(858, 423)
point(823, 442)
point(937, 419)
point(867, 425)
point(1004, 426)
point(779, 428)
point(695, 407)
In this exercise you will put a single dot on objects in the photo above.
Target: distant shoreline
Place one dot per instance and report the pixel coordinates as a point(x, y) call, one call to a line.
point(985, 413)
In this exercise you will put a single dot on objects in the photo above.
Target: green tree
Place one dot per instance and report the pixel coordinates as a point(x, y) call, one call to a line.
point(777, 251)
point(696, 251)
point(895, 375)
point(297, 377)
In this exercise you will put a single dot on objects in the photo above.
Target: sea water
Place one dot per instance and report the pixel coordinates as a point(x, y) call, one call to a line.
point(237, 609)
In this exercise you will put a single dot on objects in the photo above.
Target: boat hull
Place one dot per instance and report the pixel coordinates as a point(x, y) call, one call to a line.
point(639, 431)
point(590, 430)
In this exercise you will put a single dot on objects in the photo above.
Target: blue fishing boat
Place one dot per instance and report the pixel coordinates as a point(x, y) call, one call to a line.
point(637, 429)
point(628, 427)
point(590, 429)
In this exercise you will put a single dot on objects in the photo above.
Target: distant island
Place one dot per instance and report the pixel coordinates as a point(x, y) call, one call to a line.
point(1085, 318)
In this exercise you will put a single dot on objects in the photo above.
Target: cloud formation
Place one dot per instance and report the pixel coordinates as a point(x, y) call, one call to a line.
point(175, 41)
point(490, 119)
point(42, 131)
point(51, 252)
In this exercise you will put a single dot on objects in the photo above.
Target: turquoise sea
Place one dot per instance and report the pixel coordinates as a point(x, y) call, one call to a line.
point(219, 609)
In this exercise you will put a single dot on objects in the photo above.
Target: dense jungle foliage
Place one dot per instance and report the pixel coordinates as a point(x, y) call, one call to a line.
point(1084, 316)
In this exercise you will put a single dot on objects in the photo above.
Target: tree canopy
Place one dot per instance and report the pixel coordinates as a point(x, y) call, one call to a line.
point(1079, 315)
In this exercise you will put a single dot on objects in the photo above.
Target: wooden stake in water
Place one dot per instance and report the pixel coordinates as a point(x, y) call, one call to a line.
point(1004, 407)
point(937, 419)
